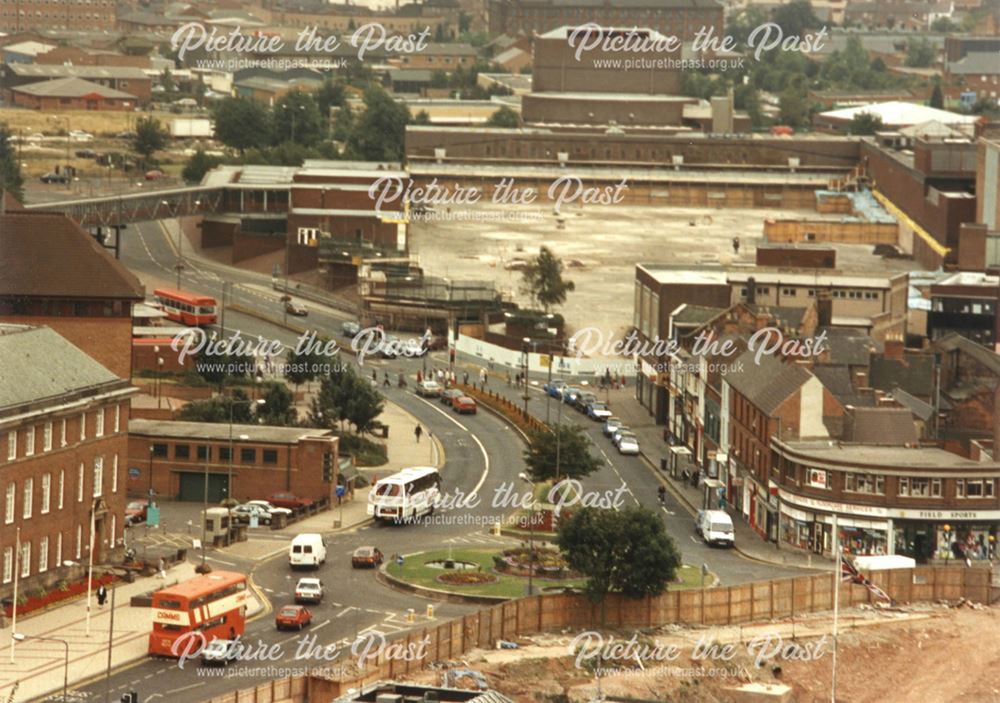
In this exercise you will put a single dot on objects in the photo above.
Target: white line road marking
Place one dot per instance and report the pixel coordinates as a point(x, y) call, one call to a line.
point(346, 610)
point(486, 457)
point(227, 563)
point(322, 624)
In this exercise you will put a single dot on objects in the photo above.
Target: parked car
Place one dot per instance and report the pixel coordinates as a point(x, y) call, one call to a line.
point(53, 177)
point(448, 397)
point(292, 617)
point(289, 500)
point(366, 556)
point(583, 400)
point(297, 309)
point(86, 154)
point(429, 389)
point(77, 135)
point(244, 513)
point(436, 342)
point(135, 511)
point(555, 388)
point(610, 425)
point(271, 509)
point(155, 175)
point(389, 346)
point(219, 652)
point(463, 404)
point(350, 329)
point(628, 444)
point(616, 437)
point(309, 590)
point(570, 393)
point(598, 412)
point(716, 527)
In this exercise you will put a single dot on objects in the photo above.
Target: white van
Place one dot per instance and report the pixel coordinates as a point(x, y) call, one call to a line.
point(716, 527)
point(307, 549)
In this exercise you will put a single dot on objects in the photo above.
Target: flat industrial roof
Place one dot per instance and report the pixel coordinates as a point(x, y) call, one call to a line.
point(207, 431)
point(902, 457)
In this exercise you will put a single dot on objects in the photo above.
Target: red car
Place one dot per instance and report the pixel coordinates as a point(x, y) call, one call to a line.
point(464, 404)
point(293, 617)
point(135, 511)
point(289, 500)
point(366, 556)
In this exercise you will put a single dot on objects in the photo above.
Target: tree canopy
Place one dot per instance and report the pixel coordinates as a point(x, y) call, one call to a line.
point(296, 119)
point(543, 281)
point(575, 459)
point(150, 137)
point(11, 179)
point(242, 124)
point(379, 131)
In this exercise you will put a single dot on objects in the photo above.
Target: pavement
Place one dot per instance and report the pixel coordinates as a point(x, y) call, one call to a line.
point(37, 667)
point(653, 448)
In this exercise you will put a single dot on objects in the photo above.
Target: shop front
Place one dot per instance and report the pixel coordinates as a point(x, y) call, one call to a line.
point(807, 523)
point(926, 540)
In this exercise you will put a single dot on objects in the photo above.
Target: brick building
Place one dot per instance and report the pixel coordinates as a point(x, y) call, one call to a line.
point(681, 18)
point(127, 79)
point(63, 422)
point(174, 459)
point(22, 15)
point(70, 94)
point(55, 274)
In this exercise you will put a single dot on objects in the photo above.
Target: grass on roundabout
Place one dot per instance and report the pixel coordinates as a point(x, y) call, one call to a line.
point(415, 571)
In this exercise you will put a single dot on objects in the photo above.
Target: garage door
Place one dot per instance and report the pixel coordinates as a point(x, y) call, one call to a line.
point(193, 487)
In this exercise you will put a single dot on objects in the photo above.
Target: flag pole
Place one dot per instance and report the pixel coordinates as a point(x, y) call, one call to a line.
point(836, 607)
point(17, 573)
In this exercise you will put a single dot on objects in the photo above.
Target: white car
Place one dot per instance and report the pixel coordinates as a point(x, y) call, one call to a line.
point(429, 389)
point(309, 590)
point(79, 136)
point(622, 431)
point(628, 444)
point(270, 509)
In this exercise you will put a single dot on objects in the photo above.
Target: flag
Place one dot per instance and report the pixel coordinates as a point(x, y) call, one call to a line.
point(850, 574)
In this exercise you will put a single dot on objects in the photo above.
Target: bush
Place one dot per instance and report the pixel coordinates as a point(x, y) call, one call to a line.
point(366, 452)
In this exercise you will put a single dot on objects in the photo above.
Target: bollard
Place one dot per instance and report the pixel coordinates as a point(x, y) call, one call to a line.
point(410, 615)
point(430, 611)
point(496, 528)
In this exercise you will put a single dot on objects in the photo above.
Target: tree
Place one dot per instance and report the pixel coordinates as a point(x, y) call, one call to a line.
point(865, 123)
point(920, 53)
point(379, 132)
point(421, 118)
point(218, 409)
point(343, 124)
point(330, 94)
point(296, 119)
point(796, 18)
point(439, 79)
point(11, 179)
point(279, 406)
point(150, 137)
point(740, 24)
point(624, 550)
point(944, 25)
point(198, 165)
point(792, 104)
point(504, 117)
point(575, 459)
point(167, 81)
point(364, 404)
point(937, 96)
point(543, 280)
point(242, 124)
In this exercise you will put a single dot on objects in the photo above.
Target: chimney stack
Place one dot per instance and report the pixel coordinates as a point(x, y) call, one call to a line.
point(894, 346)
point(824, 309)
point(751, 291)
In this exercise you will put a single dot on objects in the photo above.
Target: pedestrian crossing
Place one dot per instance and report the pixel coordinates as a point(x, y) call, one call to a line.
point(476, 538)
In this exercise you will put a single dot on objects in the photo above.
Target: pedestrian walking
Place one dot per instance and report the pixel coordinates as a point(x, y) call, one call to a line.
point(162, 568)
point(374, 375)
point(508, 378)
point(417, 432)
point(420, 377)
point(465, 378)
point(102, 595)
point(486, 378)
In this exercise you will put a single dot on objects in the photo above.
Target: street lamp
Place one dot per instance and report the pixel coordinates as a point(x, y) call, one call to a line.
point(21, 637)
point(180, 247)
point(243, 437)
point(531, 534)
point(947, 539)
point(524, 349)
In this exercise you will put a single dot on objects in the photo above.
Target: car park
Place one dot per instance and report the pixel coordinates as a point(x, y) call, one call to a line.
point(628, 444)
point(219, 653)
point(292, 617)
point(246, 512)
point(463, 404)
point(610, 425)
point(598, 412)
point(350, 329)
point(448, 397)
point(429, 389)
point(297, 309)
point(309, 590)
point(366, 556)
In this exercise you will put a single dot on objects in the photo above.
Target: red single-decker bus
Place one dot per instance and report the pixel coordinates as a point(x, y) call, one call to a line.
point(187, 308)
point(212, 606)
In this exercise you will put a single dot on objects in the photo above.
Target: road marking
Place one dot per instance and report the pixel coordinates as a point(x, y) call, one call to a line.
point(482, 449)
point(322, 624)
point(346, 610)
point(227, 563)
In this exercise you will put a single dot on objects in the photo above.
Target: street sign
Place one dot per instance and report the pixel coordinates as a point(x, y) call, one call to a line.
point(133, 473)
point(341, 491)
point(253, 521)
point(153, 515)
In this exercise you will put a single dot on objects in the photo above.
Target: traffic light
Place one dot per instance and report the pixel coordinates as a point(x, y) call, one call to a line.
point(130, 697)
point(328, 467)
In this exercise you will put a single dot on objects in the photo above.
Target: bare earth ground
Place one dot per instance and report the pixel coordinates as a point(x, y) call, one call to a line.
point(927, 654)
point(600, 246)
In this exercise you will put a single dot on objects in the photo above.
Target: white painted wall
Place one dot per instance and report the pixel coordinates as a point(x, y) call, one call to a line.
point(811, 410)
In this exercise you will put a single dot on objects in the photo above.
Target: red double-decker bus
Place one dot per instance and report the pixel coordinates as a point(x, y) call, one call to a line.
point(187, 308)
point(212, 605)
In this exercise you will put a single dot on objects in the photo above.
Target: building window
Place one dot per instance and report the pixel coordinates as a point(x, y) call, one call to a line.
point(46, 492)
point(225, 453)
point(974, 489)
point(47, 437)
point(62, 488)
point(79, 541)
point(864, 483)
point(43, 554)
point(29, 492)
point(160, 450)
point(920, 487)
point(114, 530)
point(270, 456)
point(59, 559)
point(248, 455)
point(62, 434)
point(12, 445)
point(114, 474)
point(83, 426)
point(182, 451)
point(118, 418)
point(791, 292)
point(99, 429)
point(204, 452)
point(9, 504)
point(29, 441)
point(817, 478)
point(25, 559)
point(8, 565)
point(98, 475)
point(79, 484)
